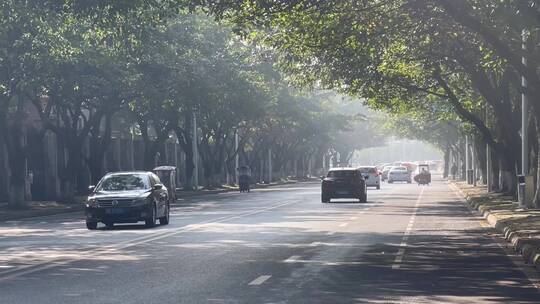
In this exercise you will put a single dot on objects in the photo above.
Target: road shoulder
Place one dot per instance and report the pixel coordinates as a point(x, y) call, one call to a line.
point(520, 227)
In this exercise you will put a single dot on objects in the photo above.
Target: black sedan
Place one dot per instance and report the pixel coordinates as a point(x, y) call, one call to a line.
point(343, 183)
point(127, 197)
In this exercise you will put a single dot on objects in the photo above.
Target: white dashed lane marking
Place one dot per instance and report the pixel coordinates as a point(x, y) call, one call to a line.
point(292, 259)
point(260, 280)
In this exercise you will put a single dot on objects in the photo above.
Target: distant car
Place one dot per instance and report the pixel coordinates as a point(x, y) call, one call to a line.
point(343, 183)
point(372, 176)
point(384, 172)
point(127, 197)
point(410, 166)
point(399, 174)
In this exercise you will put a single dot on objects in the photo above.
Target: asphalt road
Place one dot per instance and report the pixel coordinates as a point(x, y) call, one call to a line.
point(408, 244)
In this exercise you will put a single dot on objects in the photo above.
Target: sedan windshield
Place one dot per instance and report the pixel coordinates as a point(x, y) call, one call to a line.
point(124, 182)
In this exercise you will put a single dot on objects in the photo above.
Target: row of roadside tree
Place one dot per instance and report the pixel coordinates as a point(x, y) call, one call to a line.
point(444, 69)
point(89, 72)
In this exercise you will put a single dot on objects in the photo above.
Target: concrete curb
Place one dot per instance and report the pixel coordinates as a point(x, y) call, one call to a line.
point(528, 248)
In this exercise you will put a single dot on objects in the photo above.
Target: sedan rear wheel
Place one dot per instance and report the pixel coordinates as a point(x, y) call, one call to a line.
point(325, 198)
point(363, 197)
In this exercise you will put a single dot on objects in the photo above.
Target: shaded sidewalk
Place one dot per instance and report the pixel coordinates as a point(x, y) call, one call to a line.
point(46, 208)
point(520, 227)
point(38, 208)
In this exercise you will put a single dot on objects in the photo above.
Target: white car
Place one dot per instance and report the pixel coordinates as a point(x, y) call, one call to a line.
point(399, 174)
point(371, 175)
point(384, 173)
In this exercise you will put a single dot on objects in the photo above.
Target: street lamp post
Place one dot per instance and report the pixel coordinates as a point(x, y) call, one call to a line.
point(524, 115)
point(195, 154)
point(489, 173)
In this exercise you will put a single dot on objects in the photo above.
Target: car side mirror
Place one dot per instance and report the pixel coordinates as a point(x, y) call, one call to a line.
point(91, 188)
point(158, 186)
point(322, 177)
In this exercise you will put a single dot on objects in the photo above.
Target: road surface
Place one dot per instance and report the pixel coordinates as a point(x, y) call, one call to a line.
point(408, 244)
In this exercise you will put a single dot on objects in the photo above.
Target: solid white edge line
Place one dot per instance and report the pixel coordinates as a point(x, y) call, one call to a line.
point(401, 252)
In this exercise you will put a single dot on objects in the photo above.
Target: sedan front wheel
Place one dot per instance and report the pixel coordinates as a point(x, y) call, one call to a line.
point(165, 219)
point(151, 220)
point(91, 225)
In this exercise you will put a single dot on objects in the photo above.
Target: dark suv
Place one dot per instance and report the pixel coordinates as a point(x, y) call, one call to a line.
point(127, 197)
point(343, 183)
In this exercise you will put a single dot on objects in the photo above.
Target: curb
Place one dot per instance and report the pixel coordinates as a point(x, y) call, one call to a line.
point(526, 247)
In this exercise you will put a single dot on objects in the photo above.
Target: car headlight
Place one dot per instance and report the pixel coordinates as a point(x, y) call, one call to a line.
point(91, 203)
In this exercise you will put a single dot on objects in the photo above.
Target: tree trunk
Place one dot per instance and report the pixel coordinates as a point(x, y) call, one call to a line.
point(507, 176)
point(17, 181)
point(95, 165)
point(16, 155)
point(72, 171)
point(495, 171)
point(446, 162)
point(482, 160)
point(536, 200)
point(98, 148)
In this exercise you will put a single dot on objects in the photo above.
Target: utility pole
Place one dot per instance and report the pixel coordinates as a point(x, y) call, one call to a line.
point(195, 154)
point(458, 160)
point(310, 166)
point(524, 114)
point(473, 159)
point(237, 157)
point(467, 158)
point(489, 173)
